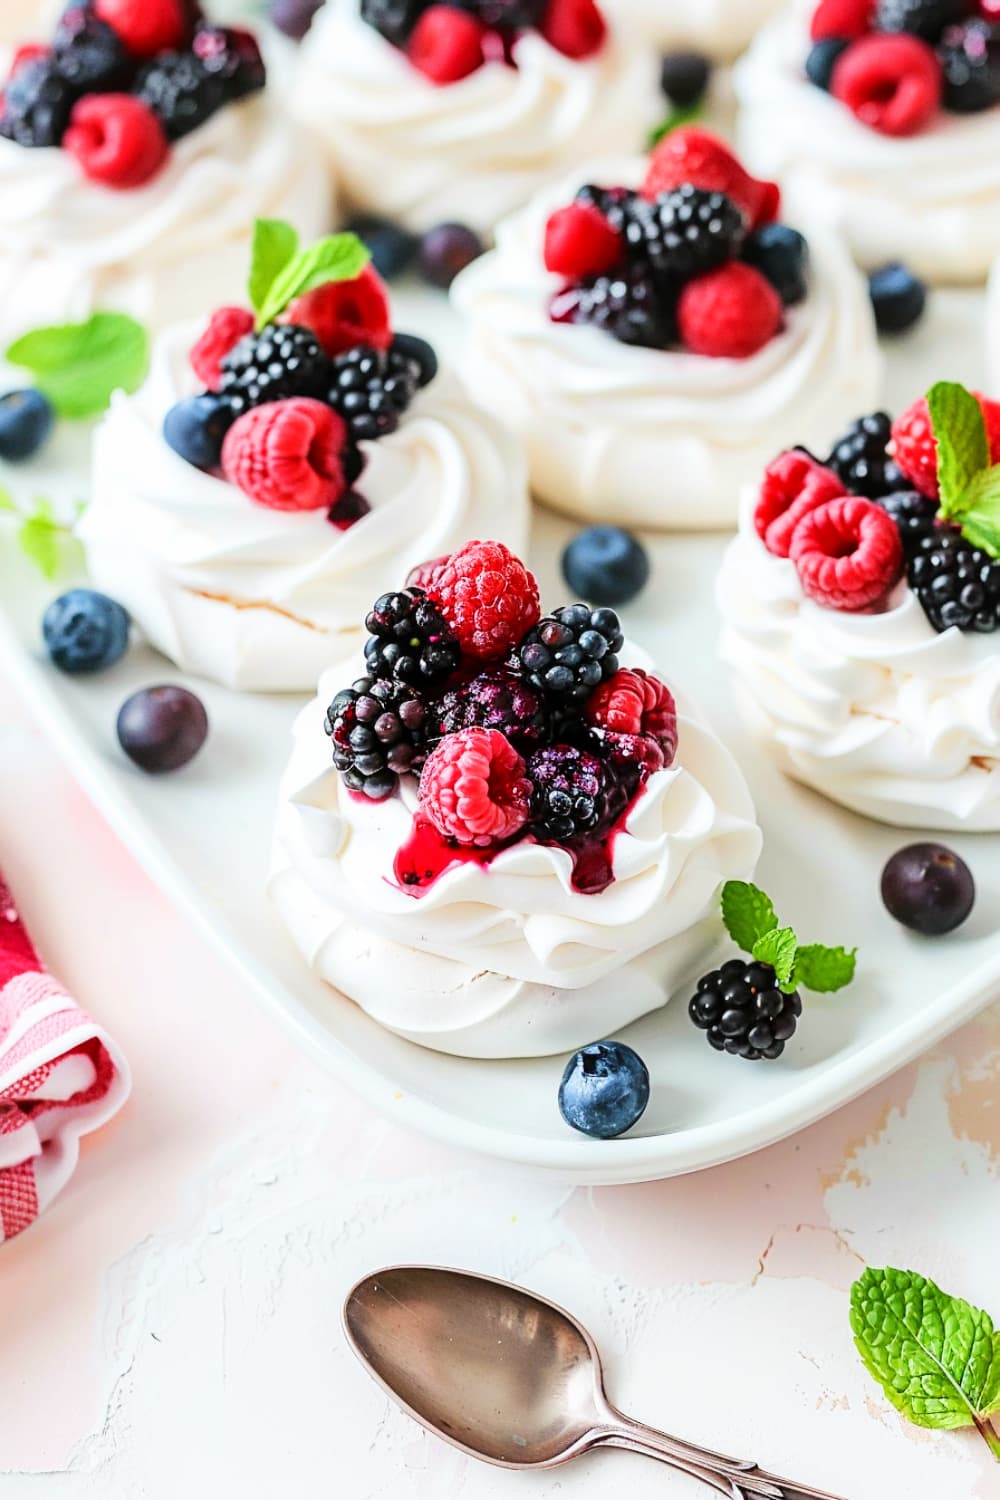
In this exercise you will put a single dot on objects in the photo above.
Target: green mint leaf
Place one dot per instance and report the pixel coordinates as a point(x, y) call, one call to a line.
point(824, 969)
point(78, 365)
point(39, 538)
point(747, 913)
point(338, 257)
point(7, 501)
point(936, 1357)
point(778, 948)
point(979, 515)
point(962, 445)
point(682, 115)
point(275, 243)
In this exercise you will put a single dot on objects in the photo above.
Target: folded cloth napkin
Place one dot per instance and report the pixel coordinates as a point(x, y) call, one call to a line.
point(60, 1076)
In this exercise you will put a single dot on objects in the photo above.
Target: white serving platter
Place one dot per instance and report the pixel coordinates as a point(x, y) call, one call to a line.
point(204, 833)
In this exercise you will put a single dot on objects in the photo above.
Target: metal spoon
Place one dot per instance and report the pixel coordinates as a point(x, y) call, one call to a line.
point(513, 1379)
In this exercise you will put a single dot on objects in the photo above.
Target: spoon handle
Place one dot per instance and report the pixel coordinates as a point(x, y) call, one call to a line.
point(729, 1476)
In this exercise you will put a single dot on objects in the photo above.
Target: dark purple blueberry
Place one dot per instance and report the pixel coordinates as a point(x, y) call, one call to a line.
point(928, 888)
point(447, 249)
point(162, 728)
point(293, 17)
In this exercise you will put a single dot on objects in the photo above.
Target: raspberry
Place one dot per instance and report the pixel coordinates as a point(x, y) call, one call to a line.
point(793, 485)
point(419, 576)
point(914, 446)
point(226, 327)
point(473, 788)
point(116, 139)
point(579, 242)
point(286, 455)
point(344, 313)
point(848, 553)
point(632, 702)
point(574, 27)
point(695, 156)
point(891, 83)
point(147, 26)
point(446, 44)
point(841, 18)
point(488, 597)
point(729, 313)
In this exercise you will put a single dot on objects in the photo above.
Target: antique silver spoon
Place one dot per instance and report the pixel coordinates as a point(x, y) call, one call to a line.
point(513, 1379)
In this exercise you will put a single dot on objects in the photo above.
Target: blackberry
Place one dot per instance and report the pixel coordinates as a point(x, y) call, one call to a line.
point(970, 62)
point(393, 19)
point(371, 389)
point(37, 103)
point(497, 699)
point(573, 793)
point(782, 255)
point(614, 203)
point(915, 516)
point(860, 460)
point(409, 640)
point(923, 18)
point(179, 92)
point(744, 1011)
point(420, 353)
point(956, 583)
point(684, 232)
point(233, 57)
point(571, 652)
point(283, 360)
point(378, 735)
point(89, 55)
point(628, 305)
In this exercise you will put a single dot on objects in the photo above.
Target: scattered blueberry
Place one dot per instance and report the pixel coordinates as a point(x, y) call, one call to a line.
point(420, 351)
point(162, 728)
point(929, 888)
point(195, 429)
point(26, 419)
point(822, 60)
point(782, 255)
point(606, 565)
point(85, 631)
point(604, 1090)
point(898, 297)
point(446, 250)
point(293, 17)
point(393, 249)
point(684, 77)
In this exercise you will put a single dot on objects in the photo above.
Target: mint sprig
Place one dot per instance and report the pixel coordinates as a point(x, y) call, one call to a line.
point(280, 270)
point(78, 365)
point(752, 923)
point(46, 541)
point(969, 484)
point(936, 1357)
point(682, 114)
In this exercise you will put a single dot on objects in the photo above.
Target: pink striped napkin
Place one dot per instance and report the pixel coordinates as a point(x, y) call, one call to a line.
point(61, 1075)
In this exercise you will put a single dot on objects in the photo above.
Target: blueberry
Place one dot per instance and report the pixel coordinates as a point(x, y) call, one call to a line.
point(822, 60)
point(898, 297)
point(604, 1090)
point(782, 255)
point(684, 77)
point(195, 428)
point(446, 250)
point(293, 17)
point(929, 888)
point(162, 728)
point(26, 419)
point(606, 565)
point(392, 248)
point(420, 351)
point(85, 631)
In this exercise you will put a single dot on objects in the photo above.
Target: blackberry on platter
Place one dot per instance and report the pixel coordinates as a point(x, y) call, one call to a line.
point(860, 459)
point(371, 390)
point(574, 792)
point(744, 1011)
point(409, 640)
point(282, 360)
point(684, 232)
point(377, 730)
point(570, 652)
point(957, 584)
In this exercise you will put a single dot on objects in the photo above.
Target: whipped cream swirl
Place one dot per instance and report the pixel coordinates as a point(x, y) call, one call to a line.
point(161, 252)
point(722, 28)
point(473, 150)
point(647, 436)
point(261, 599)
point(507, 959)
point(930, 199)
point(877, 711)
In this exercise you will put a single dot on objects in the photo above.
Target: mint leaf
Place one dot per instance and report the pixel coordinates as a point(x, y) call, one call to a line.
point(78, 365)
point(936, 1357)
point(778, 948)
point(274, 245)
point(7, 501)
point(824, 969)
point(44, 540)
point(979, 516)
point(962, 445)
point(682, 115)
point(338, 257)
point(747, 912)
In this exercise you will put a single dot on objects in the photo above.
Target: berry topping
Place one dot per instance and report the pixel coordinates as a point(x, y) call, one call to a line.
point(473, 788)
point(147, 26)
point(497, 699)
point(861, 460)
point(958, 585)
point(26, 422)
point(573, 793)
point(684, 77)
point(180, 92)
point(411, 347)
point(898, 297)
point(117, 140)
point(841, 18)
point(36, 105)
point(226, 327)
point(915, 450)
point(162, 728)
point(342, 314)
point(822, 60)
point(729, 313)
point(633, 702)
point(293, 17)
point(571, 652)
point(196, 427)
point(891, 83)
point(915, 517)
point(446, 250)
point(574, 27)
point(970, 61)
point(782, 255)
point(744, 1011)
point(923, 18)
point(848, 554)
point(604, 1090)
point(89, 54)
point(287, 454)
point(234, 56)
point(685, 230)
point(378, 734)
point(85, 631)
point(393, 19)
point(488, 598)
point(928, 888)
point(692, 155)
point(793, 485)
point(409, 640)
point(606, 565)
point(283, 360)
point(372, 389)
point(626, 304)
point(579, 242)
point(446, 44)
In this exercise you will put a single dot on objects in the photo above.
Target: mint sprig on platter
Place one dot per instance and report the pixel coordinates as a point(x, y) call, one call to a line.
point(46, 541)
point(78, 366)
point(968, 483)
point(752, 923)
point(281, 270)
